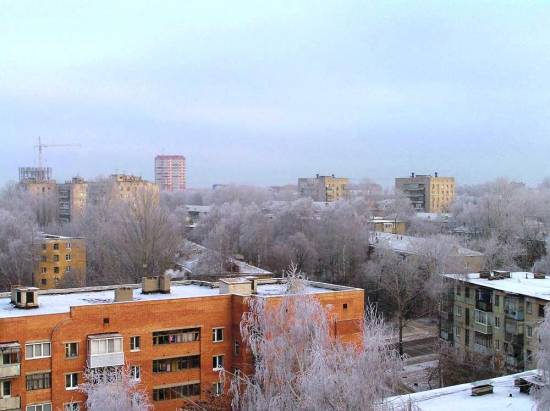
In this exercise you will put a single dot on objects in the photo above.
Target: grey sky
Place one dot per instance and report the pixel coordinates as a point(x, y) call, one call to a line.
point(264, 92)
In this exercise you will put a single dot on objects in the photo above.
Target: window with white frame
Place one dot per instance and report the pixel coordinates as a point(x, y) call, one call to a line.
point(71, 381)
point(135, 343)
point(497, 322)
point(68, 245)
point(217, 388)
point(5, 389)
point(217, 334)
point(529, 331)
point(38, 350)
point(135, 372)
point(39, 407)
point(72, 406)
point(105, 345)
point(71, 350)
point(481, 317)
point(217, 362)
point(68, 257)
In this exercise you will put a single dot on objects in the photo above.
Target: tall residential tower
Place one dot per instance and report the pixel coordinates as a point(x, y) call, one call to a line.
point(170, 172)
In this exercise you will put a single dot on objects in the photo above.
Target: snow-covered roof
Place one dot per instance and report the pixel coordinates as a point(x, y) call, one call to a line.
point(505, 396)
point(435, 217)
point(61, 301)
point(522, 283)
point(407, 244)
point(198, 208)
point(194, 252)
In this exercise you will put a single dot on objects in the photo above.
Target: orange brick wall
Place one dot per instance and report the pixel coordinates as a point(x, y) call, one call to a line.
point(142, 318)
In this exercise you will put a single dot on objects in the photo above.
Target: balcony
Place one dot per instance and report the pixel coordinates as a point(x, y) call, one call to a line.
point(10, 370)
point(486, 329)
point(484, 306)
point(105, 350)
point(514, 339)
point(10, 403)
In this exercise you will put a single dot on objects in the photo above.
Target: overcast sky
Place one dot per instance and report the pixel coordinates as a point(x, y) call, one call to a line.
point(262, 92)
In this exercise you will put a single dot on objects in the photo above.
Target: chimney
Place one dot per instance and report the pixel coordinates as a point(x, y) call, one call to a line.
point(24, 297)
point(123, 294)
point(164, 283)
point(240, 286)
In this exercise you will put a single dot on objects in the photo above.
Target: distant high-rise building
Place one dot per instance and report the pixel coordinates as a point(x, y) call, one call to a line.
point(170, 172)
point(432, 194)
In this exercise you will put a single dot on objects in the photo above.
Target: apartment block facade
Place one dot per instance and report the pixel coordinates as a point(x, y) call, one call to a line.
point(496, 314)
point(72, 197)
point(324, 188)
point(170, 172)
point(174, 336)
point(431, 194)
point(62, 261)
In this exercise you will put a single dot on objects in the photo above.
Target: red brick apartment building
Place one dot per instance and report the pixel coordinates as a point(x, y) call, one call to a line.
point(175, 337)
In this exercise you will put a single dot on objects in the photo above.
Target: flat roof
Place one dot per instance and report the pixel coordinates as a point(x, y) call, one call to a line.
point(505, 396)
point(61, 300)
point(523, 283)
point(407, 244)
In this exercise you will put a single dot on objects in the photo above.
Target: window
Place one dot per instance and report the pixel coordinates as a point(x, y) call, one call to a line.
point(481, 317)
point(105, 345)
point(176, 364)
point(44, 258)
point(217, 362)
point(8, 357)
point(217, 334)
point(457, 331)
point(541, 310)
point(56, 257)
point(37, 350)
point(39, 381)
point(529, 355)
point(497, 344)
point(529, 307)
point(71, 350)
point(68, 245)
point(5, 387)
point(173, 393)
point(345, 306)
point(44, 270)
point(135, 343)
point(56, 270)
point(458, 289)
point(497, 322)
point(71, 406)
point(39, 407)
point(68, 268)
point(529, 331)
point(67, 257)
point(497, 300)
point(236, 347)
point(176, 336)
point(217, 388)
point(56, 246)
point(458, 311)
point(467, 292)
point(71, 381)
point(135, 372)
point(44, 281)
point(43, 246)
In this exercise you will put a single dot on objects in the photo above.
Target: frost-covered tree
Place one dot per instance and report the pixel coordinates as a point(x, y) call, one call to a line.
point(113, 388)
point(299, 366)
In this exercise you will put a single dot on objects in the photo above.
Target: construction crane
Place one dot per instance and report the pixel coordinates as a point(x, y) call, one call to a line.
point(43, 146)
